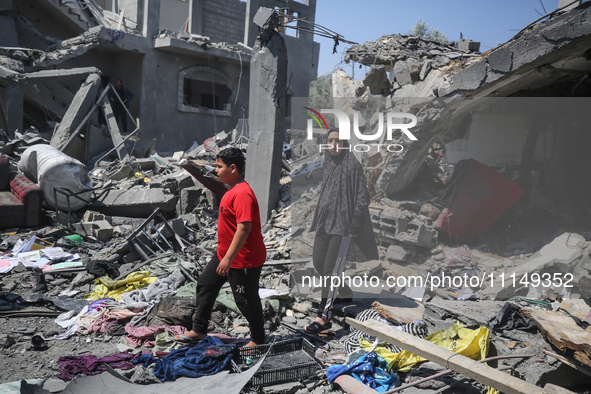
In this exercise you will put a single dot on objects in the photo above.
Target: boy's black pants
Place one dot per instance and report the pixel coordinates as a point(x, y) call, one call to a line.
point(245, 287)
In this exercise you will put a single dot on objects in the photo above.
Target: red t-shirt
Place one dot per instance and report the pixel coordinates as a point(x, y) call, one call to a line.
point(238, 205)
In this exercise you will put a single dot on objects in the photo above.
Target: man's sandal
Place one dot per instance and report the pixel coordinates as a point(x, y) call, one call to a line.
point(318, 329)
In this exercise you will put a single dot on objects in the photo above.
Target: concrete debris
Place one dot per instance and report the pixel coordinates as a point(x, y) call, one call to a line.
point(410, 58)
point(402, 225)
point(377, 81)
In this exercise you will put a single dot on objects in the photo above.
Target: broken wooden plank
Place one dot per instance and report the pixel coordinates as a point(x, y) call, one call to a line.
point(562, 331)
point(445, 357)
point(122, 152)
point(401, 309)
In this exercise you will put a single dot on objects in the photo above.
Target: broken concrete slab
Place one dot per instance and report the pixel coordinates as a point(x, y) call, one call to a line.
point(471, 78)
point(138, 202)
point(564, 251)
point(81, 104)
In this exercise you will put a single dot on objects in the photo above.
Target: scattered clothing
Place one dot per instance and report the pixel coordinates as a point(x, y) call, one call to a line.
point(100, 268)
point(146, 336)
point(370, 369)
point(417, 328)
point(150, 296)
point(208, 357)
point(71, 366)
point(107, 287)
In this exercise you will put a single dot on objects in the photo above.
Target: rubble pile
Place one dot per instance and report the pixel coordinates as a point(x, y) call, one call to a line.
point(409, 59)
point(392, 48)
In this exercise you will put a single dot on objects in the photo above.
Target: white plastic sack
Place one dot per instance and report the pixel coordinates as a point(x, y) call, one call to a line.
point(50, 169)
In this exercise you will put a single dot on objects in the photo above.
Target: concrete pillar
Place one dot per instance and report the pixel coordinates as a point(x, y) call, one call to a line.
point(196, 16)
point(251, 30)
point(13, 108)
point(151, 18)
point(267, 106)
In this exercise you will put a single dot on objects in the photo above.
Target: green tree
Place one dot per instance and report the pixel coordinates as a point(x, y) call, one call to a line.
point(321, 92)
point(422, 29)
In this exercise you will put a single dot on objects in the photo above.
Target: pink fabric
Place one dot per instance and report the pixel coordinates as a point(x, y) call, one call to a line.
point(146, 335)
point(107, 315)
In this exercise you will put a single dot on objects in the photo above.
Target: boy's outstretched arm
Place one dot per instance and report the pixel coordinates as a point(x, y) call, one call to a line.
point(242, 231)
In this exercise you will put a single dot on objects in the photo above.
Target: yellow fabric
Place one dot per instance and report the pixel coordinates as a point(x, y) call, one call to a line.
point(109, 288)
point(470, 343)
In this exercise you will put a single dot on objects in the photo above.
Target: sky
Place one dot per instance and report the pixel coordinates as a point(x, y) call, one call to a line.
point(489, 21)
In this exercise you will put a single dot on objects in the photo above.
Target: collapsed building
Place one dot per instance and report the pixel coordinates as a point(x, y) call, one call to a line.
point(151, 222)
point(187, 63)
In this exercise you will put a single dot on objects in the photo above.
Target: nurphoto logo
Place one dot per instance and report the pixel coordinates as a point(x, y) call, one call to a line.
point(392, 125)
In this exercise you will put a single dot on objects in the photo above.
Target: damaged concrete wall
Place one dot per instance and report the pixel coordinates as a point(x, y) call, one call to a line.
point(160, 112)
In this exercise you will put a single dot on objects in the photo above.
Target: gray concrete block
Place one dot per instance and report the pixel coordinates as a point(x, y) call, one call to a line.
point(184, 180)
point(146, 164)
point(91, 216)
point(469, 45)
point(103, 234)
point(83, 228)
point(262, 16)
point(397, 253)
point(137, 202)
point(427, 237)
point(401, 225)
point(189, 199)
point(178, 226)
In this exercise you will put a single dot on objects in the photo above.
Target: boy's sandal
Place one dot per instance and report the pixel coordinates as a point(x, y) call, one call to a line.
point(317, 328)
point(185, 340)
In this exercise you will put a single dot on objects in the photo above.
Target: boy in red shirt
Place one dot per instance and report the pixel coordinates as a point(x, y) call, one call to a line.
point(240, 254)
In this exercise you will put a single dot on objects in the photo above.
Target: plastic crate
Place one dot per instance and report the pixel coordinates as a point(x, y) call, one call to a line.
point(287, 361)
